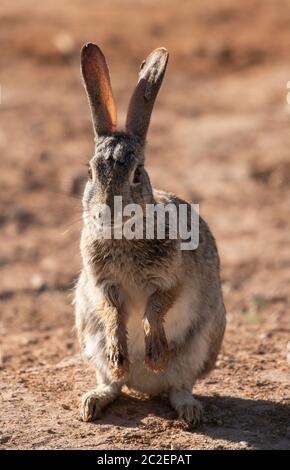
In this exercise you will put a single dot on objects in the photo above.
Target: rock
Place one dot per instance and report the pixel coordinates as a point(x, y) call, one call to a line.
point(243, 443)
point(64, 43)
point(51, 431)
point(174, 446)
point(37, 282)
point(65, 407)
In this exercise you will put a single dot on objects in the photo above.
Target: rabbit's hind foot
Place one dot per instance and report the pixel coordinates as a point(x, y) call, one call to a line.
point(187, 407)
point(96, 400)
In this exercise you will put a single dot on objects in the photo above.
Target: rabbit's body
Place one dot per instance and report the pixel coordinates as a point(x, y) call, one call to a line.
point(194, 325)
point(148, 314)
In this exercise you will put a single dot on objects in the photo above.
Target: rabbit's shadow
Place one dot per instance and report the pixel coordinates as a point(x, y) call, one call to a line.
point(260, 423)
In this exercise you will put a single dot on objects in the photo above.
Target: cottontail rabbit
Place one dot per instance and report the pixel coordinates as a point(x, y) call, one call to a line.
point(148, 314)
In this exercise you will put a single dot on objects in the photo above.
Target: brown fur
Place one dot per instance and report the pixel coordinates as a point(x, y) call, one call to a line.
point(121, 276)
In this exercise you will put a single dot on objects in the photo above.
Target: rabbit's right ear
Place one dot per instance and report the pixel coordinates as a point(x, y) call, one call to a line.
point(151, 74)
point(96, 78)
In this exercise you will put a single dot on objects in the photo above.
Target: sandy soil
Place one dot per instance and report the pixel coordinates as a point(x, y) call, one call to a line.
point(219, 136)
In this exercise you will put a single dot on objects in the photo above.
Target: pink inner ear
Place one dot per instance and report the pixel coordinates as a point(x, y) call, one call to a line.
point(97, 81)
point(107, 95)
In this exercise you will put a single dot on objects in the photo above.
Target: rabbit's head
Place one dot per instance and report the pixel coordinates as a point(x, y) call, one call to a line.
point(117, 167)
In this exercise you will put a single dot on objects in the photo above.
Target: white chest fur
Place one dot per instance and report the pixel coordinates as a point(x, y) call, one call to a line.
point(177, 321)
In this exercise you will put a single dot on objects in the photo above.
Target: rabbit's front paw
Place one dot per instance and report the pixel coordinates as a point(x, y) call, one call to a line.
point(156, 352)
point(118, 361)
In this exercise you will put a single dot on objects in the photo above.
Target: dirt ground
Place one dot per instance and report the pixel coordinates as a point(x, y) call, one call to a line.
point(219, 136)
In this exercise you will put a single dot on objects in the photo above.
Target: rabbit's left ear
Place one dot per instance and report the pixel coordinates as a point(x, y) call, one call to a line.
point(96, 78)
point(151, 74)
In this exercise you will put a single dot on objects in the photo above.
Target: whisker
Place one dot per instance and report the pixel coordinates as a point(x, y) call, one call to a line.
point(73, 223)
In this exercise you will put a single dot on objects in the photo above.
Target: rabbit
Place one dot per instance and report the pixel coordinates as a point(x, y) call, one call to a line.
point(148, 315)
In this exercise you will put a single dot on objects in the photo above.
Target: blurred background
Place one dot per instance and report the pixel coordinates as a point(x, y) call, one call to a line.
point(219, 136)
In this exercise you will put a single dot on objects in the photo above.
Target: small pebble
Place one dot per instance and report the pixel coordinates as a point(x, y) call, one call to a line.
point(174, 447)
point(64, 42)
point(37, 282)
point(51, 431)
point(243, 443)
point(65, 407)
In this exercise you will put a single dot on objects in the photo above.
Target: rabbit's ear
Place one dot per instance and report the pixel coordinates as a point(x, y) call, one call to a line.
point(96, 78)
point(151, 74)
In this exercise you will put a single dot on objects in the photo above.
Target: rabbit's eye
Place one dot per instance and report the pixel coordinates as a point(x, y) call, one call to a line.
point(137, 176)
point(90, 173)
